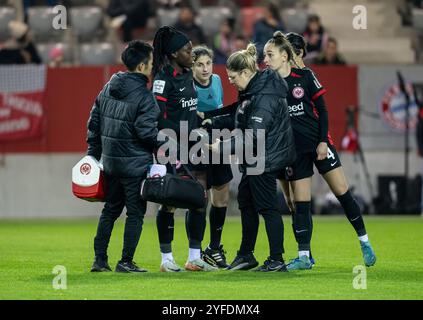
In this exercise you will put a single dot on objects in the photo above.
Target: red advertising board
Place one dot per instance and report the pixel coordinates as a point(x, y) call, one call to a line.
point(70, 93)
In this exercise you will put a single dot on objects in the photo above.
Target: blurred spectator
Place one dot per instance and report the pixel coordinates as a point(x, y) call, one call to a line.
point(405, 9)
point(56, 56)
point(19, 48)
point(244, 3)
point(187, 25)
point(169, 3)
point(224, 41)
point(129, 15)
point(265, 27)
point(240, 42)
point(330, 55)
point(316, 37)
point(30, 3)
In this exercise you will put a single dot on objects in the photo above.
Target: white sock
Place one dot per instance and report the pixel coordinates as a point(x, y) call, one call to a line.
point(364, 238)
point(194, 254)
point(167, 256)
point(304, 253)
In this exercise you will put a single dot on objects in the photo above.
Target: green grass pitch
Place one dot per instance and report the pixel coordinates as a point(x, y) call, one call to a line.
point(29, 250)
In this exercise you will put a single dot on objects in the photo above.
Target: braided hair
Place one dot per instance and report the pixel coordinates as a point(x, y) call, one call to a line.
point(166, 41)
point(298, 43)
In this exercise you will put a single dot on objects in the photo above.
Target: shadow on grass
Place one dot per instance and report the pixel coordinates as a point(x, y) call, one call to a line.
point(318, 274)
point(218, 276)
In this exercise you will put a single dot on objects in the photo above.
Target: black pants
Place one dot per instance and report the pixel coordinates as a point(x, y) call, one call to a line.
point(121, 192)
point(258, 195)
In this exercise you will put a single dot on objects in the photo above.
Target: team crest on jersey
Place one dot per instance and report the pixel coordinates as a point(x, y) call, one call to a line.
point(298, 92)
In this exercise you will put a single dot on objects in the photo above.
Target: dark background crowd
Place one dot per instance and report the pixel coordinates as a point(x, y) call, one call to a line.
point(105, 26)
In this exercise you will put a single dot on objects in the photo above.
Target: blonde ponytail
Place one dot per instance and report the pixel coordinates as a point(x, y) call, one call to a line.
point(243, 59)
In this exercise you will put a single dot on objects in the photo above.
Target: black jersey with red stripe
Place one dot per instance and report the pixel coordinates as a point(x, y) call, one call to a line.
point(304, 90)
point(177, 98)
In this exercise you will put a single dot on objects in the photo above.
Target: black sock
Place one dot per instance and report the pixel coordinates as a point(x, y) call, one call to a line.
point(217, 220)
point(165, 228)
point(353, 213)
point(311, 230)
point(195, 222)
point(302, 225)
point(293, 226)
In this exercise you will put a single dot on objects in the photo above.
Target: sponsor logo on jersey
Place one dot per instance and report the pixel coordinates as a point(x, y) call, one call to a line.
point(191, 103)
point(296, 107)
point(296, 110)
point(298, 92)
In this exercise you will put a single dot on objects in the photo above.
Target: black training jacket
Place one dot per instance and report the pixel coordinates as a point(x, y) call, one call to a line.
point(262, 105)
point(122, 128)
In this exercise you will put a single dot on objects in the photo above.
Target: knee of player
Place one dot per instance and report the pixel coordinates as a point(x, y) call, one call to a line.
point(220, 201)
point(167, 209)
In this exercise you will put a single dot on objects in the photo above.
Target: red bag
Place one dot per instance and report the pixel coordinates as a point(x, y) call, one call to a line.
point(88, 180)
point(350, 141)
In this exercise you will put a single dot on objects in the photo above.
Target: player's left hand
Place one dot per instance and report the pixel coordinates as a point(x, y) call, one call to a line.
point(322, 150)
point(215, 147)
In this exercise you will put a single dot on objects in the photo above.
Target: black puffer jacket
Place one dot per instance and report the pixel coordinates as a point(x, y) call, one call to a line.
point(122, 128)
point(262, 105)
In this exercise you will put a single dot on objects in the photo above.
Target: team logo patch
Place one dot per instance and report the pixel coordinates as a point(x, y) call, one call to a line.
point(158, 86)
point(289, 171)
point(298, 92)
point(85, 169)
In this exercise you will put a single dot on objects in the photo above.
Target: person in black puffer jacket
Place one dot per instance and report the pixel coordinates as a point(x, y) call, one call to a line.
point(122, 131)
point(262, 106)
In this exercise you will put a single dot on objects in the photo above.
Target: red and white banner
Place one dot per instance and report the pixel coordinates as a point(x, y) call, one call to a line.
point(22, 109)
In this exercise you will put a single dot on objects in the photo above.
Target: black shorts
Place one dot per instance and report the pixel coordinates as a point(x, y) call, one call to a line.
point(218, 174)
point(303, 166)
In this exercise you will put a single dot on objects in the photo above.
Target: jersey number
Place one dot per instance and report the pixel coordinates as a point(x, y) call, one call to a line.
point(331, 154)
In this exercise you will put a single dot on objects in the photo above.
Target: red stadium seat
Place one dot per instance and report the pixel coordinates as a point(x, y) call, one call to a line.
point(249, 16)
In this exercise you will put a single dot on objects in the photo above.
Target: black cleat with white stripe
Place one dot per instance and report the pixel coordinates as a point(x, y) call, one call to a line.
point(215, 257)
point(271, 265)
point(243, 262)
